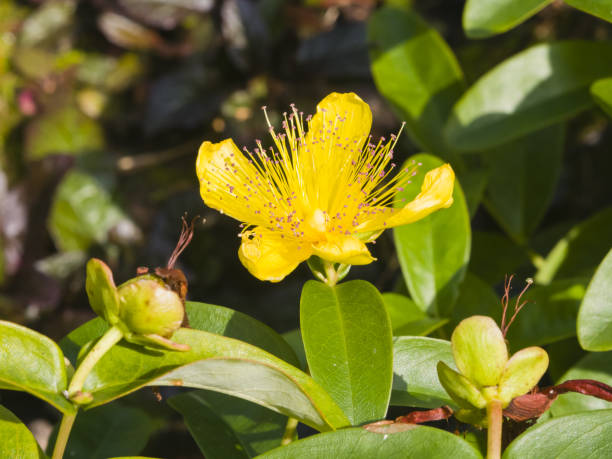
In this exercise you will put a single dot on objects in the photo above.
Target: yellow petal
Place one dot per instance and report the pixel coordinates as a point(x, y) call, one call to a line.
point(230, 183)
point(336, 136)
point(343, 249)
point(270, 257)
point(436, 193)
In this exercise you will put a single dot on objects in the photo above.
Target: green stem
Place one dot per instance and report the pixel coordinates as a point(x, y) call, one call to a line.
point(62, 435)
point(289, 431)
point(331, 275)
point(494, 429)
point(112, 336)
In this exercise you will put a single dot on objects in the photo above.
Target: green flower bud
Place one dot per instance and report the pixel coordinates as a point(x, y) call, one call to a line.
point(479, 350)
point(147, 306)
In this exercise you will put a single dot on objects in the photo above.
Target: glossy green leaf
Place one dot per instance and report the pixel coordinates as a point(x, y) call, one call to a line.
point(495, 255)
point(216, 363)
point(110, 430)
point(294, 339)
point(416, 443)
point(553, 85)
point(549, 316)
point(601, 91)
point(595, 314)
point(600, 8)
point(64, 130)
point(226, 427)
point(482, 18)
point(33, 363)
point(433, 252)
point(353, 362)
point(595, 365)
point(407, 319)
point(17, 440)
point(416, 71)
point(581, 250)
point(523, 176)
point(415, 378)
point(566, 437)
point(234, 324)
point(82, 213)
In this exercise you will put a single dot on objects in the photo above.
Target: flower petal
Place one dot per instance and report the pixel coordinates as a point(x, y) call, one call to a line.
point(232, 184)
point(270, 257)
point(336, 136)
point(436, 193)
point(343, 249)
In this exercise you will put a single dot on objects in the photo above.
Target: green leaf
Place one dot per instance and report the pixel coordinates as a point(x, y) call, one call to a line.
point(416, 443)
point(523, 176)
point(581, 250)
point(549, 316)
point(294, 339)
point(415, 378)
point(17, 440)
point(64, 130)
point(601, 91)
point(226, 427)
point(416, 71)
point(553, 86)
point(82, 213)
point(482, 18)
point(494, 256)
point(234, 324)
point(600, 8)
point(563, 355)
point(434, 252)
point(101, 290)
point(407, 318)
point(351, 361)
point(216, 363)
point(595, 365)
point(565, 437)
point(595, 314)
point(110, 430)
point(33, 363)
point(461, 389)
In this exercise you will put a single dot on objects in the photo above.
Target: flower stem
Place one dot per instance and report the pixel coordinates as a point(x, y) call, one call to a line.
point(112, 336)
point(289, 431)
point(331, 275)
point(494, 431)
point(62, 435)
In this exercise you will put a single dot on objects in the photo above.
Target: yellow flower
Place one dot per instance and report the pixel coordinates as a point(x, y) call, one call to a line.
point(323, 191)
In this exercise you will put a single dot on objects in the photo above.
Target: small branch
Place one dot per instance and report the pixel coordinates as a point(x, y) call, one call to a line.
point(62, 436)
point(290, 429)
point(494, 429)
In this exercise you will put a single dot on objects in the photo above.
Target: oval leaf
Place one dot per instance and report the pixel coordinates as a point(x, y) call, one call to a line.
point(415, 378)
point(407, 319)
point(596, 366)
point(220, 364)
point(595, 313)
point(434, 251)
point(553, 86)
point(568, 436)
point(355, 443)
point(354, 363)
point(17, 440)
point(226, 427)
point(482, 18)
point(33, 363)
point(416, 71)
point(523, 176)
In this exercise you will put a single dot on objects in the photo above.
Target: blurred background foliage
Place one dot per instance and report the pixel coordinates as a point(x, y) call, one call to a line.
point(103, 104)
